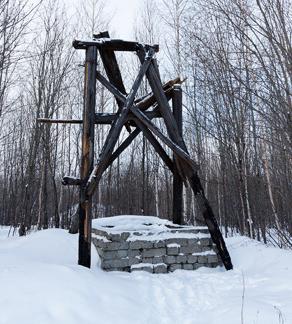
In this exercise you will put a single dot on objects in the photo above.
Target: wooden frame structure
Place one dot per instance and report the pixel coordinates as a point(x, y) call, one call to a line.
point(137, 112)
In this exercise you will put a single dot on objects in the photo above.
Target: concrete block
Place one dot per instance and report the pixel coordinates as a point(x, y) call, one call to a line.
point(181, 259)
point(202, 259)
point(188, 266)
point(192, 259)
point(134, 253)
point(206, 241)
point(134, 260)
point(114, 263)
point(158, 259)
point(118, 237)
point(110, 246)
point(160, 268)
point(174, 267)
point(212, 258)
point(159, 244)
point(141, 245)
point(169, 259)
point(190, 249)
point(179, 241)
point(172, 250)
point(153, 252)
point(114, 254)
point(145, 268)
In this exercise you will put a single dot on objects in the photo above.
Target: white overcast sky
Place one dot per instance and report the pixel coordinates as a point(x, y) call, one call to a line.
point(124, 12)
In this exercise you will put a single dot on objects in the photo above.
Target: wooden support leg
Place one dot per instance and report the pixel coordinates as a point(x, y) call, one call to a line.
point(85, 206)
point(177, 204)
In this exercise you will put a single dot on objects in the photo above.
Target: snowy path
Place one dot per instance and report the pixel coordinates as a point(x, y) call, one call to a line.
point(40, 283)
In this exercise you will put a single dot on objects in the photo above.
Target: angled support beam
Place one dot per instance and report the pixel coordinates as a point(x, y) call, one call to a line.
point(112, 69)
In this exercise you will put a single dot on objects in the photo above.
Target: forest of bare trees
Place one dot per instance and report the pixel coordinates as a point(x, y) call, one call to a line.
point(236, 59)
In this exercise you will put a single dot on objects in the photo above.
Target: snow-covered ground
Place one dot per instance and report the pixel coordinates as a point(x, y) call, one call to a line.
point(41, 283)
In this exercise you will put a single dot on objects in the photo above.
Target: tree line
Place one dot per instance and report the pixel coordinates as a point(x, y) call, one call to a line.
point(236, 59)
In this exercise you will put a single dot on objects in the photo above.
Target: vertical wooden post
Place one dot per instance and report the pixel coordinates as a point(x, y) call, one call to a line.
point(85, 206)
point(177, 207)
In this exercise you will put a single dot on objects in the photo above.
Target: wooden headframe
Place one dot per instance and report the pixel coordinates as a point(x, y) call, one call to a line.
point(134, 112)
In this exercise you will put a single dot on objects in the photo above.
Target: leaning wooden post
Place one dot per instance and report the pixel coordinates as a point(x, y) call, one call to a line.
point(177, 204)
point(85, 206)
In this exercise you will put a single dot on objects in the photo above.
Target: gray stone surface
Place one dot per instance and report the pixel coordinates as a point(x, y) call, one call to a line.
point(181, 259)
point(117, 253)
point(153, 252)
point(169, 259)
point(206, 241)
point(192, 259)
point(156, 260)
point(174, 267)
point(179, 241)
point(202, 259)
point(134, 261)
point(134, 253)
point(115, 263)
point(110, 246)
point(212, 258)
point(190, 249)
point(144, 268)
point(172, 250)
point(160, 268)
point(159, 244)
point(141, 244)
point(188, 267)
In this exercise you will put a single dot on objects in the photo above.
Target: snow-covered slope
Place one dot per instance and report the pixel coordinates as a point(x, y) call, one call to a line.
point(40, 283)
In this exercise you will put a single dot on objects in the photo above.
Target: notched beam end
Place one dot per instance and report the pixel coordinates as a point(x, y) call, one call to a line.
point(77, 44)
point(71, 181)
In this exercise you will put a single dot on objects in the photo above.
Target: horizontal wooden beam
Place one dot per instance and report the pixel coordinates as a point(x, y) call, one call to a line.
point(71, 181)
point(100, 118)
point(113, 44)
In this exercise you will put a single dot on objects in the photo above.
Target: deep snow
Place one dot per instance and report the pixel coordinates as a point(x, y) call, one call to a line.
point(41, 283)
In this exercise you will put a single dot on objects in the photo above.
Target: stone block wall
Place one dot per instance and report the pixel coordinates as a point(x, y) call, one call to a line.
point(187, 248)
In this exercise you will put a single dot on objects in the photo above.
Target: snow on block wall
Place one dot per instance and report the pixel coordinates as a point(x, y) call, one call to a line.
point(135, 243)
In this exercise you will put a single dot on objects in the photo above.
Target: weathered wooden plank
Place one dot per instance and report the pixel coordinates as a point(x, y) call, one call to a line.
point(87, 155)
point(100, 119)
point(177, 201)
point(112, 70)
point(71, 181)
point(111, 44)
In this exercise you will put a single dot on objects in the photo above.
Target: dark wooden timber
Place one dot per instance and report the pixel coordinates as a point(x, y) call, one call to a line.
point(71, 181)
point(85, 205)
point(100, 119)
point(112, 44)
point(177, 201)
point(112, 70)
point(210, 219)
